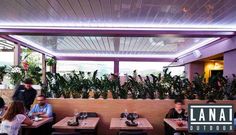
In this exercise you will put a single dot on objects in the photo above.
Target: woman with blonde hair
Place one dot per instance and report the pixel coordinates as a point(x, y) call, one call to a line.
point(13, 118)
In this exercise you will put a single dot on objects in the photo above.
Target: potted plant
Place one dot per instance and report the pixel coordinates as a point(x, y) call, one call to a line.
point(115, 86)
point(53, 84)
point(105, 86)
point(50, 62)
point(3, 72)
point(75, 85)
point(86, 84)
point(16, 75)
point(199, 86)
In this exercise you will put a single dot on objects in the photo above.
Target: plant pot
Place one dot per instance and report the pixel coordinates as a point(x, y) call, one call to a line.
point(57, 95)
point(66, 94)
point(76, 95)
point(96, 95)
point(85, 95)
point(104, 95)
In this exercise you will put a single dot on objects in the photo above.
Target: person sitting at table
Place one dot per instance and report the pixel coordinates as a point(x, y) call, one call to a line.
point(211, 101)
point(42, 109)
point(3, 108)
point(13, 118)
point(25, 93)
point(176, 112)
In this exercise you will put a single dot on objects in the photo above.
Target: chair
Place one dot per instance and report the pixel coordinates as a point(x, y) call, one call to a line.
point(89, 131)
point(122, 115)
point(63, 133)
point(132, 133)
point(90, 114)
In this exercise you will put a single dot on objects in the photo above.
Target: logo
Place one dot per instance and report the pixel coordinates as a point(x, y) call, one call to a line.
point(206, 118)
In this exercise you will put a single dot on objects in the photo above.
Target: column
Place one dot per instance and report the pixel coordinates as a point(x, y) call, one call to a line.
point(194, 67)
point(116, 67)
point(230, 63)
point(17, 53)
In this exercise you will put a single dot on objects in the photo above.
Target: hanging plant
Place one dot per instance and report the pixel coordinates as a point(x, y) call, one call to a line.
point(50, 62)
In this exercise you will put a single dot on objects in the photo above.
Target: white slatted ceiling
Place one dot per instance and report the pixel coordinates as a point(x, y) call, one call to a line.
point(102, 12)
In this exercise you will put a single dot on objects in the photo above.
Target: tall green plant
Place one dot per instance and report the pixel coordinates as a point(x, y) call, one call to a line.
point(3, 72)
point(199, 85)
point(53, 80)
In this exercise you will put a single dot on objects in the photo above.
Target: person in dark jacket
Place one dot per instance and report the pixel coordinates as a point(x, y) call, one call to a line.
point(25, 93)
point(176, 112)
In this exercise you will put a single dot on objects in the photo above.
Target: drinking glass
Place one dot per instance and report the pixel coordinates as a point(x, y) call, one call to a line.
point(126, 113)
point(180, 118)
point(85, 115)
point(135, 115)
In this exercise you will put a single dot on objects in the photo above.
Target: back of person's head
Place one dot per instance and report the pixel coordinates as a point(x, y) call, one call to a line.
point(2, 102)
point(42, 96)
point(16, 107)
point(211, 101)
point(28, 81)
point(179, 100)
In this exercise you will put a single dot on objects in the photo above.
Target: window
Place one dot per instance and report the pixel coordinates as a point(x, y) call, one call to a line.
point(147, 68)
point(6, 58)
point(103, 67)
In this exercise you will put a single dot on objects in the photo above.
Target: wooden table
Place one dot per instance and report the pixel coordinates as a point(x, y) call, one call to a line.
point(89, 123)
point(37, 124)
point(118, 123)
point(173, 124)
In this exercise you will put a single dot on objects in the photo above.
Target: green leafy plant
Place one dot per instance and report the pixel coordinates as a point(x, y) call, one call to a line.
point(54, 84)
point(199, 85)
point(35, 73)
point(96, 85)
point(16, 75)
point(115, 86)
point(50, 62)
point(75, 85)
point(105, 86)
point(86, 84)
point(3, 72)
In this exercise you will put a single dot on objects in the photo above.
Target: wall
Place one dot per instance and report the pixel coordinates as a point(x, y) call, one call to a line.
point(6, 94)
point(153, 110)
point(192, 68)
point(230, 63)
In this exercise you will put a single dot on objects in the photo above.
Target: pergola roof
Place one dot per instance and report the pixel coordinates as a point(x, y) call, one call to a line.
point(117, 28)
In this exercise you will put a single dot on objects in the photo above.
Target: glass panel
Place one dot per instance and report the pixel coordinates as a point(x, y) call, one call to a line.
point(107, 46)
point(103, 67)
point(6, 58)
point(142, 68)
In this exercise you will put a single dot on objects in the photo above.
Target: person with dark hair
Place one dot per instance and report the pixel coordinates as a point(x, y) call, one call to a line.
point(42, 109)
point(13, 118)
point(211, 101)
point(176, 112)
point(3, 108)
point(25, 93)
